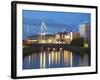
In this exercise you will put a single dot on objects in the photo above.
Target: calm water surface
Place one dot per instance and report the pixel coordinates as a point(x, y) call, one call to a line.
point(55, 59)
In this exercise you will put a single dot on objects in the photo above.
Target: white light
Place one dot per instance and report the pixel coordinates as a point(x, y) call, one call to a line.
point(50, 41)
point(67, 36)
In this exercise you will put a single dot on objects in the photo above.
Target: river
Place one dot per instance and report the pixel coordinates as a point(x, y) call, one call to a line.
point(55, 59)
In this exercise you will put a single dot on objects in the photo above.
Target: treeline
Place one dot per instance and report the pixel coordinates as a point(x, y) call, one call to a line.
point(77, 42)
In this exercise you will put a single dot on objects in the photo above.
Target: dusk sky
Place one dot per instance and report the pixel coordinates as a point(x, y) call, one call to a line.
point(54, 21)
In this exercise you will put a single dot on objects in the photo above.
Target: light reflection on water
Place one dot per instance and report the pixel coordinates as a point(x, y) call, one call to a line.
point(55, 59)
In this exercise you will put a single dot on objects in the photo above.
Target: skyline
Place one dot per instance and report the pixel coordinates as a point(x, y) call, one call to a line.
point(54, 21)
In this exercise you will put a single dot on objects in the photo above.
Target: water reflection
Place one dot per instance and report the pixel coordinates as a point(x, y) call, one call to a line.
point(54, 59)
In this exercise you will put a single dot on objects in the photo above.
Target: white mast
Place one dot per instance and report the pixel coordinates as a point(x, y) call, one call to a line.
point(43, 30)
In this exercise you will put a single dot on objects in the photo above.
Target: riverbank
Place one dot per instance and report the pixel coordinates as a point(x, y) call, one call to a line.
point(31, 50)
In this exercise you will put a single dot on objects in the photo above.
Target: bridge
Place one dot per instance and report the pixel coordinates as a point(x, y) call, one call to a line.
point(37, 48)
point(49, 46)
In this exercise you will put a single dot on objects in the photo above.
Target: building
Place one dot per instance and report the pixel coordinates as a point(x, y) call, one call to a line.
point(85, 32)
point(74, 35)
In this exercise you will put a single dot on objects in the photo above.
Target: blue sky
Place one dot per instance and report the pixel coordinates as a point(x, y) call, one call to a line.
point(54, 21)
